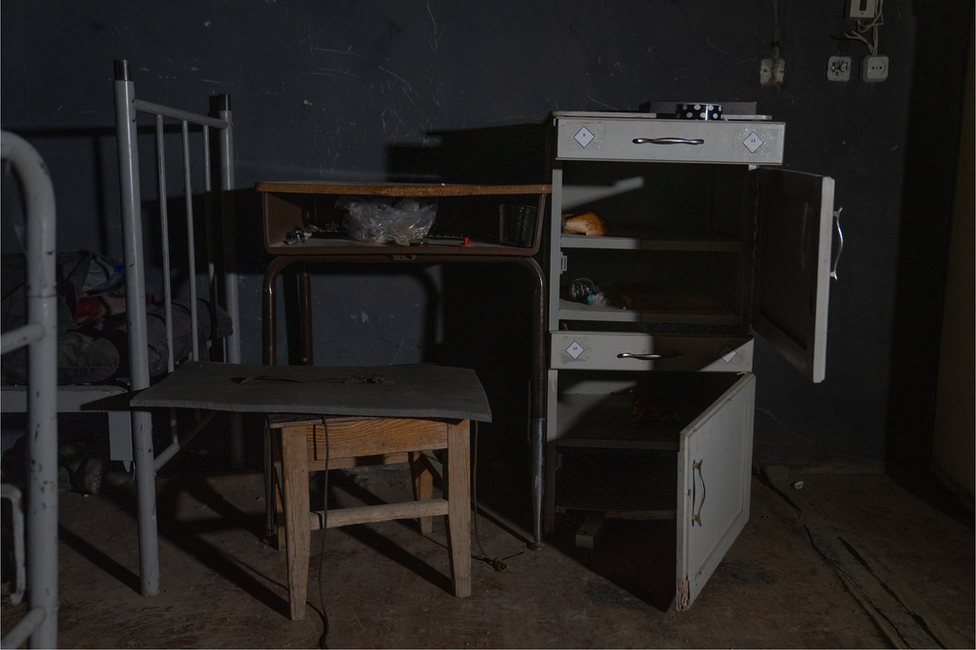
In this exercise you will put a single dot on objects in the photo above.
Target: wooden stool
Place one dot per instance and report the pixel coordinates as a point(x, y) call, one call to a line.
point(306, 443)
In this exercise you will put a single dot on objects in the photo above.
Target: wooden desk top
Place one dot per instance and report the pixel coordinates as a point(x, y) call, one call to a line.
point(397, 189)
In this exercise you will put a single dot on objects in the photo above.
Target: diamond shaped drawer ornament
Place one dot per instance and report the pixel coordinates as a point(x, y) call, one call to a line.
point(753, 142)
point(575, 350)
point(584, 136)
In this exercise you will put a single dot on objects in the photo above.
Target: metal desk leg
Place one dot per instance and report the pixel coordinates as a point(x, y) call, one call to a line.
point(269, 357)
point(305, 314)
point(269, 310)
point(537, 409)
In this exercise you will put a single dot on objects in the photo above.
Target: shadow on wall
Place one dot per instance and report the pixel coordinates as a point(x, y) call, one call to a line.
point(486, 308)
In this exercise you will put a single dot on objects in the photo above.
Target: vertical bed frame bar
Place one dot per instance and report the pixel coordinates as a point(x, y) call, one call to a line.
point(190, 241)
point(147, 462)
point(40, 334)
point(135, 286)
point(228, 227)
point(164, 232)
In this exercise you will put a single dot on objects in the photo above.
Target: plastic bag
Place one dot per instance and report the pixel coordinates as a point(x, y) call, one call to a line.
point(381, 219)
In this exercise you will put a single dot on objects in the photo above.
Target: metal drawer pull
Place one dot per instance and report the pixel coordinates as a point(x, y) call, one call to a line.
point(696, 141)
point(840, 244)
point(648, 357)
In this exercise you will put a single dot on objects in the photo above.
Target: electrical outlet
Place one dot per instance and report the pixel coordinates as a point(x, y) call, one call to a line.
point(839, 68)
point(874, 68)
point(861, 9)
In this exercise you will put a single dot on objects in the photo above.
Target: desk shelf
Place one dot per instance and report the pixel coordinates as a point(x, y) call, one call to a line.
point(291, 205)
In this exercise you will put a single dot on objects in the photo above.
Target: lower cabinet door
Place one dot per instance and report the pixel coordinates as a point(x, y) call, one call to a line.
point(714, 486)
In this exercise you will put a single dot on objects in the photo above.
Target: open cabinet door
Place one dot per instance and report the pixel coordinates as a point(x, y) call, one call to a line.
point(792, 288)
point(714, 486)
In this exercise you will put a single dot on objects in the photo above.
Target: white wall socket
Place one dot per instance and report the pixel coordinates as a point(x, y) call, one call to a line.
point(861, 9)
point(839, 68)
point(874, 68)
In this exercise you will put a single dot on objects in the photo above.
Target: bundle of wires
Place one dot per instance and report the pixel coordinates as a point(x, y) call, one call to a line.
point(857, 34)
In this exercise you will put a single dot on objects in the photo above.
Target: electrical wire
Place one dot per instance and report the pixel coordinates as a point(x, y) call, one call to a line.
point(873, 26)
point(776, 44)
point(496, 563)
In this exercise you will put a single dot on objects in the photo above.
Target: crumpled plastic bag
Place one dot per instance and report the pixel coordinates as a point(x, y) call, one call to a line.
point(382, 219)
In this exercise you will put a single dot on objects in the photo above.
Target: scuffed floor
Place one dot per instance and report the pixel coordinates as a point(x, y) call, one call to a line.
point(386, 585)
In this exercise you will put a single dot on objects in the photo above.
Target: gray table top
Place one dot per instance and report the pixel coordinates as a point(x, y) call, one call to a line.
point(377, 391)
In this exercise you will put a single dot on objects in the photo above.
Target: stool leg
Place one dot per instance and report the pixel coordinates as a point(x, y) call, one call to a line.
point(297, 530)
point(270, 523)
point(457, 490)
point(423, 487)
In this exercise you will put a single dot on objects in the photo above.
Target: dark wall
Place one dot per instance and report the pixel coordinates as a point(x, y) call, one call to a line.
point(328, 89)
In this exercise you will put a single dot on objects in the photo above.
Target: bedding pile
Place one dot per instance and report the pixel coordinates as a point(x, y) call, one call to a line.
point(92, 328)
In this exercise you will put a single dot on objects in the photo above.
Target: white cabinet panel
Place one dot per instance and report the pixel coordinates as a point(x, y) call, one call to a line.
point(792, 289)
point(714, 486)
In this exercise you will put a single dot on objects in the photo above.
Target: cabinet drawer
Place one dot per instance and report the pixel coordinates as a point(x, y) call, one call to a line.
point(758, 143)
point(603, 350)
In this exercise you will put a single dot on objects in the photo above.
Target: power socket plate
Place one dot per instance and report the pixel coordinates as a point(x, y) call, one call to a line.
point(839, 68)
point(874, 68)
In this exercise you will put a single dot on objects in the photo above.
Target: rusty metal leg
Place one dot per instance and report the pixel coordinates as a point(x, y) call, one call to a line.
point(269, 310)
point(537, 409)
point(269, 357)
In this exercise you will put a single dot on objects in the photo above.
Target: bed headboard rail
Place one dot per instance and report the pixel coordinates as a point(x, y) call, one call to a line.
point(127, 107)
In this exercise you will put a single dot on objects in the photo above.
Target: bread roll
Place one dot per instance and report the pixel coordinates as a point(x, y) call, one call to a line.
point(587, 223)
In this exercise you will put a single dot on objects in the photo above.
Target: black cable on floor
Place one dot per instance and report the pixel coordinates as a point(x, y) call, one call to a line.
point(497, 563)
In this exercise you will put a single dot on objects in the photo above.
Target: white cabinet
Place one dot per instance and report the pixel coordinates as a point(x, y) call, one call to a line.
point(709, 244)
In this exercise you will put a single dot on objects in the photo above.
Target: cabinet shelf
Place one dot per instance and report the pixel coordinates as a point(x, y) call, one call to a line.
point(658, 241)
point(607, 422)
point(570, 310)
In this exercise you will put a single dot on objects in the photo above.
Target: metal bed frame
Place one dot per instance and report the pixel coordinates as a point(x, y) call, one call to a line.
point(127, 107)
point(40, 335)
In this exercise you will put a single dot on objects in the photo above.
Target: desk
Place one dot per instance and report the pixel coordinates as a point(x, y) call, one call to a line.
point(298, 204)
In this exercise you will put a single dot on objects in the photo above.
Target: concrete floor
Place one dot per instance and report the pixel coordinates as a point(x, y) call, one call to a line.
point(851, 560)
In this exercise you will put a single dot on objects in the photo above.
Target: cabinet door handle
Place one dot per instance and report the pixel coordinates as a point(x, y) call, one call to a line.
point(648, 357)
point(696, 512)
point(695, 141)
point(840, 244)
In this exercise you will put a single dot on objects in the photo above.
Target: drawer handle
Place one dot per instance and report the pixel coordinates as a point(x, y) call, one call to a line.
point(696, 141)
point(648, 357)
